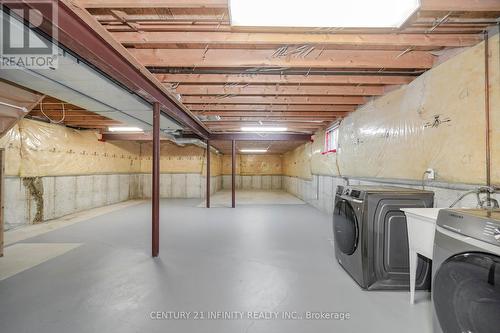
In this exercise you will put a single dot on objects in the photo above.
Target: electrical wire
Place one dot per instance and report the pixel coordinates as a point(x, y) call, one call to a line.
point(423, 178)
point(50, 119)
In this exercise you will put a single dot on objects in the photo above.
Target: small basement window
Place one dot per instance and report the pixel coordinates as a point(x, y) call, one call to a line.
point(331, 140)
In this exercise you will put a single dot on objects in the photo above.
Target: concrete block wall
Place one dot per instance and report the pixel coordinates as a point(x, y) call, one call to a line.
point(320, 190)
point(183, 185)
point(63, 195)
point(255, 182)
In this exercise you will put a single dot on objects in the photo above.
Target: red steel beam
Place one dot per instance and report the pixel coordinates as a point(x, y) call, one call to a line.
point(213, 136)
point(208, 173)
point(260, 136)
point(129, 137)
point(156, 181)
point(77, 35)
point(233, 173)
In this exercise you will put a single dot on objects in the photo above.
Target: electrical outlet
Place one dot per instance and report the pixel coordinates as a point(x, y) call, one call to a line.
point(431, 174)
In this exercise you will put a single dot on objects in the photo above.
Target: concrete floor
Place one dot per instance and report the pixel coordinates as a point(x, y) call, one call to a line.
point(252, 258)
point(252, 197)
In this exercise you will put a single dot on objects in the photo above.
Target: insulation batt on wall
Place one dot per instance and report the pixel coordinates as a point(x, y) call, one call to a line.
point(494, 63)
point(254, 164)
point(297, 163)
point(322, 164)
point(11, 142)
point(180, 159)
point(39, 149)
point(437, 121)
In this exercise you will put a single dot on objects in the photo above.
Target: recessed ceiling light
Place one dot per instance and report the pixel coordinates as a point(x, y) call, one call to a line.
point(253, 150)
point(264, 129)
point(125, 129)
point(322, 13)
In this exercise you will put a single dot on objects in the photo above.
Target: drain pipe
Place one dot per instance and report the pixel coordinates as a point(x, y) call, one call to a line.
point(487, 112)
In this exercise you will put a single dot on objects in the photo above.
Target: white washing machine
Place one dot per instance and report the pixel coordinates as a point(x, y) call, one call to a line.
point(466, 271)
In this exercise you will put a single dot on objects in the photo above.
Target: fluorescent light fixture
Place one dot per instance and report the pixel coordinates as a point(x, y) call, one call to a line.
point(253, 150)
point(322, 13)
point(264, 129)
point(125, 129)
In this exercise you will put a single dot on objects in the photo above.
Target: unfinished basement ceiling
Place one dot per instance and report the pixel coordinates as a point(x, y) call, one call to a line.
point(273, 147)
point(54, 110)
point(303, 79)
point(75, 82)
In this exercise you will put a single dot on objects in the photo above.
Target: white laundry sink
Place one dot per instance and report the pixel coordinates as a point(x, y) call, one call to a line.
point(421, 224)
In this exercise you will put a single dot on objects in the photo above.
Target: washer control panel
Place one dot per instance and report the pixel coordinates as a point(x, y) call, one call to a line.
point(479, 224)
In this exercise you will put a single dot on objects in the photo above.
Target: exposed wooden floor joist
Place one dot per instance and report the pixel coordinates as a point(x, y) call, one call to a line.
point(427, 5)
point(228, 76)
point(270, 107)
point(279, 90)
point(274, 100)
point(165, 39)
point(283, 79)
point(265, 58)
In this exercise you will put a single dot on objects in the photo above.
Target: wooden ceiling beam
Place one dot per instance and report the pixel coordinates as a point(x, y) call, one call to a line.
point(167, 26)
point(460, 5)
point(284, 119)
point(81, 34)
point(67, 113)
point(157, 19)
point(283, 79)
point(316, 40)
point(279, 90)
point(171, 26)
point(236, 129)
point(271, 114)
point(58, 107)
point(282, 116)
point(287, 123)
point(153, 3)
point(291, 128)
point(122, 17)
point(271, 107)
point(427, 5)
point(197, 58)
point(274, 100)
point(294, 129)
point(259, 137)
point(251, 123)
point(93, 121)
point(60, 111)
point(82, 119)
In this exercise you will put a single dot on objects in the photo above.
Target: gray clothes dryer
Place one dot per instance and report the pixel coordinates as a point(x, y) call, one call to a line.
point(370, 235)
point(466, 274)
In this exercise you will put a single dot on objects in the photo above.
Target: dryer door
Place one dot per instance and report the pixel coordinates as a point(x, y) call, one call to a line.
point(466, 293)
point(345, 227)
